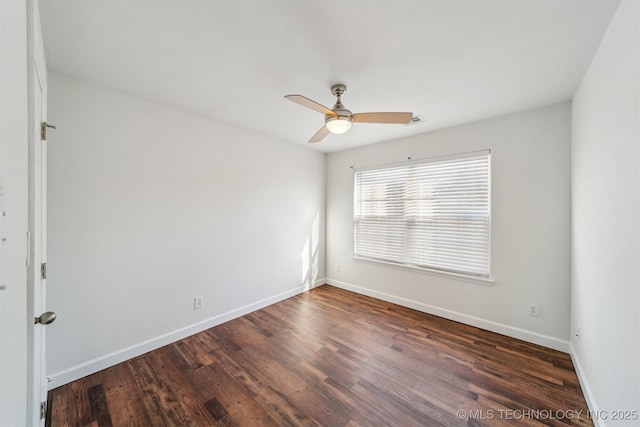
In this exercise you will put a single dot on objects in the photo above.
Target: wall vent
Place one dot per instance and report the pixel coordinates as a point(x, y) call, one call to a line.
point(416, 119)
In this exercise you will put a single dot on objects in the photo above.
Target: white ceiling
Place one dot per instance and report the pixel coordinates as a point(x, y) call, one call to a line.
point(452, 62)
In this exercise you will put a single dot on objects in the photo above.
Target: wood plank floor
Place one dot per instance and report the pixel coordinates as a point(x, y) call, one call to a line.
point(333, 358)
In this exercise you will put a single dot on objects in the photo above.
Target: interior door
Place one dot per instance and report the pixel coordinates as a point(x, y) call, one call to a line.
point(38, 244)
point(37, 278)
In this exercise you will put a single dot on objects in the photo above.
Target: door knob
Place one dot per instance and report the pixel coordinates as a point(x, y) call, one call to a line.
point(46, 318)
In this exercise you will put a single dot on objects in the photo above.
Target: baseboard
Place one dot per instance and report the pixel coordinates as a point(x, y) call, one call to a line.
point(586, 389)
point(500, 328)
point(92, 366)
point(320, 282)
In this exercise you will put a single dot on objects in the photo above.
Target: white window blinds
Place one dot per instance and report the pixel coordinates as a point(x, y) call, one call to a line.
point(433, 214)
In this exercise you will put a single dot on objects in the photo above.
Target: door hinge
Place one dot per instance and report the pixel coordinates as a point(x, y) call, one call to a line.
point(43, 270)
point(43, 410)
point(43, 130)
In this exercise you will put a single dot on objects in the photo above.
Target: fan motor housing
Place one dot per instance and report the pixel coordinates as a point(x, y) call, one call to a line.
point(343, 114)
point(340, 115)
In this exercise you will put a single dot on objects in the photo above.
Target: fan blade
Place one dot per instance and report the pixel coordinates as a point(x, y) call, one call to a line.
point(319, 136)
point(398, 118)
point(306, 102)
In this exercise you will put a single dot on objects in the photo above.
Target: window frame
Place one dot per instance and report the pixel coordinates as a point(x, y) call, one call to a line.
point(487, 278)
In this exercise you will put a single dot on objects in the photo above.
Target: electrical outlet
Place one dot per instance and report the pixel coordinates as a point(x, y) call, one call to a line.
point(337, 268)
point(534, 310)
point(197, 303)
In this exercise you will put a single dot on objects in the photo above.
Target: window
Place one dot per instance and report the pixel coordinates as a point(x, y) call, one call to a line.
point(432, 214)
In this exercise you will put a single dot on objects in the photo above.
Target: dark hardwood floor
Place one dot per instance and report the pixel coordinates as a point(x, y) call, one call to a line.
point(333, 358)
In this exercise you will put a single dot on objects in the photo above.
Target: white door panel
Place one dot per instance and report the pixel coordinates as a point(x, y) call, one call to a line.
point(37, 229)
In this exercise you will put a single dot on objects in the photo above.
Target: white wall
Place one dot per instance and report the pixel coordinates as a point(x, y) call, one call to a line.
point(605, 293)
point(13, 176)
point(530, 256)
point(150, 207)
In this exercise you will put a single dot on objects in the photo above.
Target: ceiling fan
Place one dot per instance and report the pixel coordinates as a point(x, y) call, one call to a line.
point(338, 119)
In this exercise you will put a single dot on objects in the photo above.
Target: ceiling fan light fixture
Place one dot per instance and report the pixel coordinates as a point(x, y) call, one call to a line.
point(338, 120)
point(338, 124)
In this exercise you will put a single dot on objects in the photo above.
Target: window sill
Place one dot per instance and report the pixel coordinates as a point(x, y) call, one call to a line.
point(488, 281)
